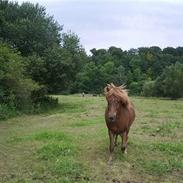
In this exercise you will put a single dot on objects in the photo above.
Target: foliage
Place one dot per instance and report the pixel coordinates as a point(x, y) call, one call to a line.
point(170, 82)
point(17, 91)
point(138, 69)
point(15, 87)
point(27, 27)
point(148, 89)
point(7, 111)
point(52, 59)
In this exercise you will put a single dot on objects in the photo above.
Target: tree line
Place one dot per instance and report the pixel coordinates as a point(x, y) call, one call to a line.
point(37, 58)
point(146, 71)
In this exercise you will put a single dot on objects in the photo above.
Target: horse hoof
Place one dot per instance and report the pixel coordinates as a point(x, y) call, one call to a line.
point(125, 151)
point(109, 162)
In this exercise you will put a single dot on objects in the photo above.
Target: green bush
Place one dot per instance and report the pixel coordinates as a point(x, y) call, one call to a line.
point(17, 91)
point(15, 87)
point(41, 101)
point(170, 82)
point(135, 88)
point(7, 111)
point(148, 89)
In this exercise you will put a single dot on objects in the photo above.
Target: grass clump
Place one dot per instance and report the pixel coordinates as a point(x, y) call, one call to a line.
point(70, 169)
point(87, 122)
point(42, 136)
point(168, 156)
point(169, 148)
point(61, 151)
point(154, 166)
point(161, 167)
point(54, 150)
point(167, 129)
point(51, 136)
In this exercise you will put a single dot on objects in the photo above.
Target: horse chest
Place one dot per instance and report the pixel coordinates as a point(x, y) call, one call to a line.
point(116, 128)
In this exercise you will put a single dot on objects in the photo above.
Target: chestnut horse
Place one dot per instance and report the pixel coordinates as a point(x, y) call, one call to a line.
point(119, 115)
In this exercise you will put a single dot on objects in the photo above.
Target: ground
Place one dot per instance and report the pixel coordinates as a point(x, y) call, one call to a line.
point(70, 144)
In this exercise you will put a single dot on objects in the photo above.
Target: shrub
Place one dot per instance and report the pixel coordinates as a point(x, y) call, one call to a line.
point(7, 111)
point(135, 88)
point(170, 82)
point(148, 89)
point(17, 91)
point(15, 87)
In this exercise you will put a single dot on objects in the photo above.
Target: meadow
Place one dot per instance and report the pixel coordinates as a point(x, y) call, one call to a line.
point(69, 144)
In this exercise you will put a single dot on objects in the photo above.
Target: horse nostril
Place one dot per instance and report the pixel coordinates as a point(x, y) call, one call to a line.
point(111, 118)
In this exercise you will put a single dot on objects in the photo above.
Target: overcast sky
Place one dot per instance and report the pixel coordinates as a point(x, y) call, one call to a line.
point(122, 23)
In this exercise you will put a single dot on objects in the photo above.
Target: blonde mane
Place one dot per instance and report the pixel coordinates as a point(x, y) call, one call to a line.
point(118, 91)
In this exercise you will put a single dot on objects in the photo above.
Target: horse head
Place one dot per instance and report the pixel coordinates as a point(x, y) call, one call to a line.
point(117, 98)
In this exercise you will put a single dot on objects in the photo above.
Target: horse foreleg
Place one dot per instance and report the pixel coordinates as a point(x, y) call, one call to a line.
point(124, 142)
point(116, 138)
point(111, 146)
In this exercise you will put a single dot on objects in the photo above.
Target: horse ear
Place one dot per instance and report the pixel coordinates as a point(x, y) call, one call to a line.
point(112, 85)
point(106, 89)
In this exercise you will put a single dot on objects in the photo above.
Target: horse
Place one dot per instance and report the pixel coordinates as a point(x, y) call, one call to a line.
point(119, 116)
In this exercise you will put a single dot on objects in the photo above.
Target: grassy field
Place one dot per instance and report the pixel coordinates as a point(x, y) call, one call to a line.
point(70, 144)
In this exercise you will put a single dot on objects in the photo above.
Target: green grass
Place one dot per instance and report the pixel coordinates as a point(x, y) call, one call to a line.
point(69, 144)
point(42, 136)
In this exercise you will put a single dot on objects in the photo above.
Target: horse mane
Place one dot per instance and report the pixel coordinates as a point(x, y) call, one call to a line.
point(118, 91)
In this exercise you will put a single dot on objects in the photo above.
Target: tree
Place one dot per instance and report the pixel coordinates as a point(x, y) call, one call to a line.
point(148, 89)
point(170, 82)
point(27, 27)
point(170, 50)
point(90, 79)
point(179, 51)
point(15, 87)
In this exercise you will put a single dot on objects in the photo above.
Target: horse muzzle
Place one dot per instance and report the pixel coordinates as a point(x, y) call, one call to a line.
point(112, 119)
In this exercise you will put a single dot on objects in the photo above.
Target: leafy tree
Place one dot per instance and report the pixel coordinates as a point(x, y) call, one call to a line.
point(135, 88)
point(15, 87)
point(36, 68)
point(90, 79)
point(155, 50)
point(27, 27)
point(170, 82)
point(170, 50)
point(120, 76)
point(179, 51)
point(148, 89)
point(116, 52)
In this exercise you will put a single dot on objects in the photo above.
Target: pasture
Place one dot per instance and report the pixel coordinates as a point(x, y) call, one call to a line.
point(70, 144)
